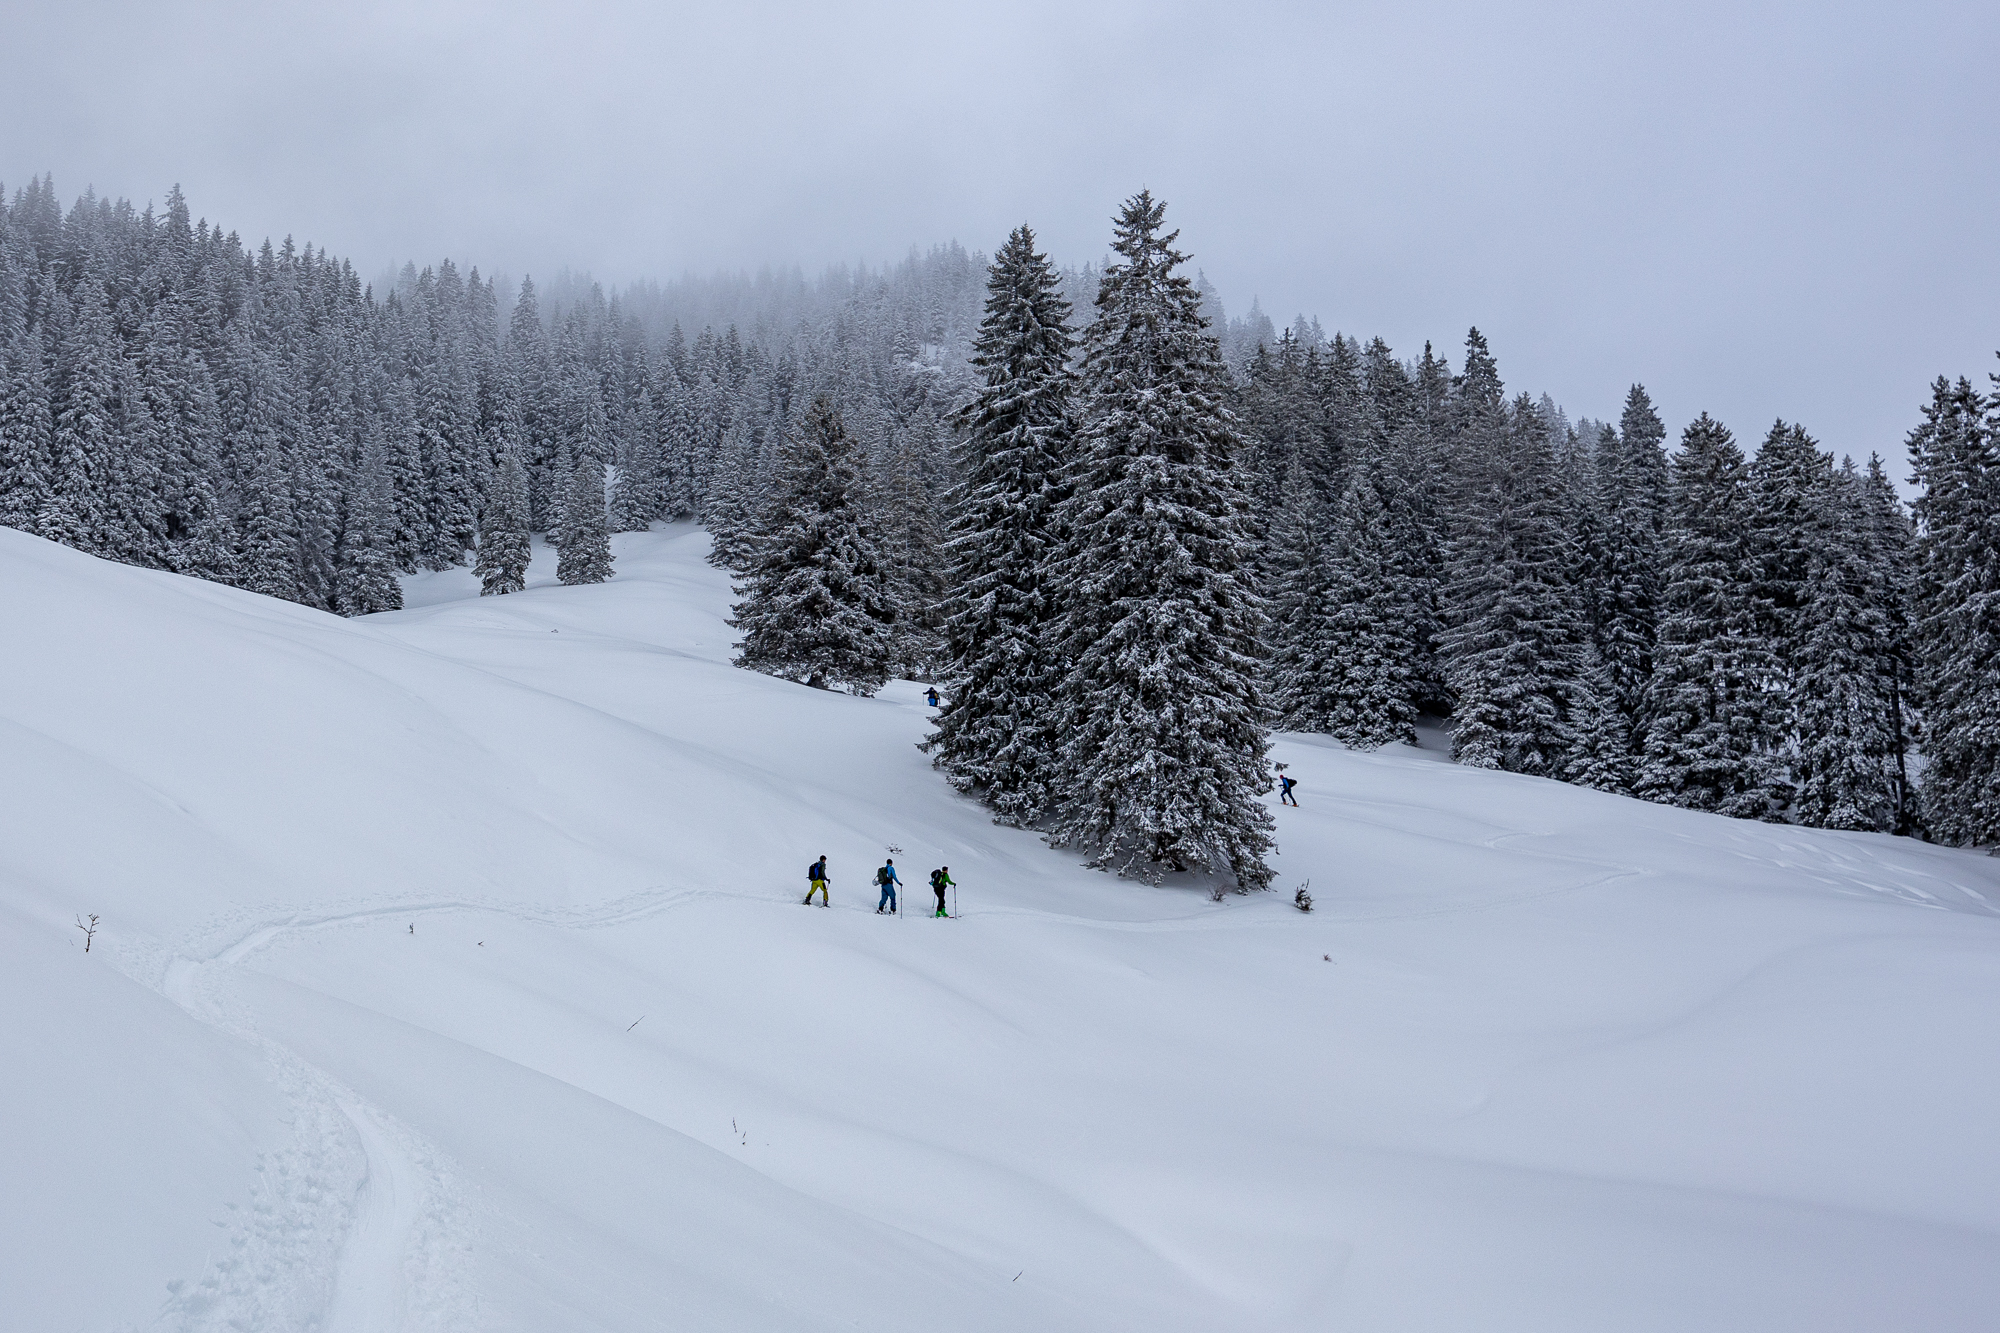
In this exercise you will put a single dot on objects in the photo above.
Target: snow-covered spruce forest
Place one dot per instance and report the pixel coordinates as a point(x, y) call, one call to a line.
point(942, 469)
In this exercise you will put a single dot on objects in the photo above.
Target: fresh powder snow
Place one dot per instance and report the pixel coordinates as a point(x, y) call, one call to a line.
point(451, 972)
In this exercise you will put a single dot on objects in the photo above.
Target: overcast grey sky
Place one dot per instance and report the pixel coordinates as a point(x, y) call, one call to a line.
point(1755, 209)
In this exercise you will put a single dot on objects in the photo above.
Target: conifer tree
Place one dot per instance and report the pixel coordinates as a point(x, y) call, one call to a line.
point(317, 518)
point(994, 733)
point(913, 535)
point(816, 604)
point(1957, 613)
point(735, 505)
point(403, 462)
point(1341, 660)
point(365, 579)
point(1846, 723)
point(1408, 476)
point(1516, 645)
point(504, 547)
point(445, 430)
point(1890, 550)
point(1790, 489)
point(270, 557)
point(675, 500)
point(85, 434)
point(1161, 712)
point(1705, 709)
point(635, 493)
point(27, 463)
point(528, 355)
point(584, 551)
point(135, 475)
point(1631, 492)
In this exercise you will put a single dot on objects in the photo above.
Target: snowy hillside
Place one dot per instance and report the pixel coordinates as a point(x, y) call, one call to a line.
point(451, 973)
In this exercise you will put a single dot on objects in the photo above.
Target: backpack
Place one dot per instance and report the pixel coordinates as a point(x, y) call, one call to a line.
point(812, 871)
point(937, 878)
point(882, 875)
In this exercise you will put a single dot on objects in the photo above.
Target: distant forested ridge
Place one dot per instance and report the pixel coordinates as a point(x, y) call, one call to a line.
point(1376, 538)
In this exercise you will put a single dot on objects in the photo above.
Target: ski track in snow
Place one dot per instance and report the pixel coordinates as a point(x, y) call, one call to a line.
point(368, 1289)
point(394, 1190)
point(385, 1188)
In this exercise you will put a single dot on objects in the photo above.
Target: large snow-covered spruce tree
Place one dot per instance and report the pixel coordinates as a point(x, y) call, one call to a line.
point(1161, 715)
point(366, 581)
point(27, 458)
point(1517, 646)
point(504, 547)
point(585, 544)
point(583, 533)
point(994, 734)
point(1957, 621)
point(1707, 725)
point(1341, 610)
point(1631, 490)
point(1848, 729)
point(734, 502)
point(817, 606)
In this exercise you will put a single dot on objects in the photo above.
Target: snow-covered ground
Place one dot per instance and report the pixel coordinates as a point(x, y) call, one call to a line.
point(452, 974)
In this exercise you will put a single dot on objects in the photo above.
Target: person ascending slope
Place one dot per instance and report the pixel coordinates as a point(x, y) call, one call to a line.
point(940, 881)
point(1285, 785)
point(816, 876)
point(931, 696)
point(886, 877)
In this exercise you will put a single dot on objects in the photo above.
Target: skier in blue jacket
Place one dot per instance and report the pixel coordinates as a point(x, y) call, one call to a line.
point(888, 879)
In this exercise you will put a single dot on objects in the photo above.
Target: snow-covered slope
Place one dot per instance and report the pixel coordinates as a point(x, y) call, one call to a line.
point(452, 974)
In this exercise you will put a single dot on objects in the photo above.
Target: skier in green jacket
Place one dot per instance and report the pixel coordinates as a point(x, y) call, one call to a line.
point(940, 881)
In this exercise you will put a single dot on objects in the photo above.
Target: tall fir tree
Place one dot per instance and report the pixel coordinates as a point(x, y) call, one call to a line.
point(994, 733)
point(270, 555)
point(817, 607)
point(912, 536)
point(1957, 613)
point(1891, 555)
point(504, 546)
point(85, 434)
point(635, 492)
point(1631, 494)
point(1516, 644)
point(584, 551)
point(1846, 723)
point(1340, 616)
point(1790, 489)
point(1409, 476)
point(735, 502)
point(1706, 723)
point(365, 578)
point(1161, 711)
point(27, 460)
point(403, 461)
